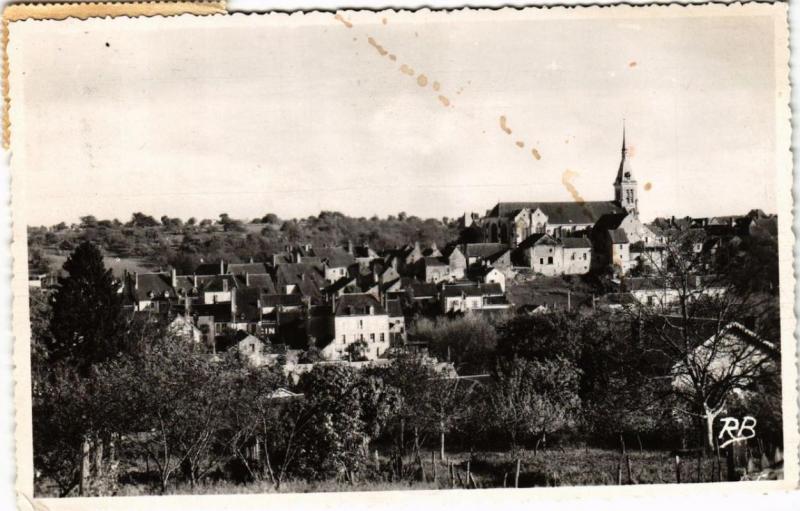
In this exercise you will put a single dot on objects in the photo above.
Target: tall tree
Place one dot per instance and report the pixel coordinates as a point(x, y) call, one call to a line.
point(87, 321)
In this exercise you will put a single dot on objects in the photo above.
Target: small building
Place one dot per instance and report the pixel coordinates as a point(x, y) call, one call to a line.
point(542, 253)
point(360, 320)
point(577, 255)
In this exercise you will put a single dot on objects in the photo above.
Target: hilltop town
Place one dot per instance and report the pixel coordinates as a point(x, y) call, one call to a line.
point(351, 301)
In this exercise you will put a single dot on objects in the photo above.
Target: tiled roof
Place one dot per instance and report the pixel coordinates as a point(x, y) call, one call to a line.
point(434, 261)
point(209, 269)
point(274, 300)
point(152, 285)
point(560, 212)
point(484, 250)
point(262, 282)
point(452, 291)
point(618, 236)
point(422, 289)
point(335, 257)
point(535, 239)
point(217, 283)
point(251, 268)
point(610, 221)
point(576, 242)
point(357, 304)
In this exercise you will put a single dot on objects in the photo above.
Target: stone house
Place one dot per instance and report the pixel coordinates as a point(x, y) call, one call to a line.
point(358, 318)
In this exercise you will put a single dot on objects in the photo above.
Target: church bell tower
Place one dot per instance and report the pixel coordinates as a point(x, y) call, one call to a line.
point(625, 187)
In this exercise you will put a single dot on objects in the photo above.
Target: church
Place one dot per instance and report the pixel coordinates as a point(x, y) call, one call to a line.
point(511, 223)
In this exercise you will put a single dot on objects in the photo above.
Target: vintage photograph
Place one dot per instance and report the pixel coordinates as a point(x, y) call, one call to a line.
point(403, 250)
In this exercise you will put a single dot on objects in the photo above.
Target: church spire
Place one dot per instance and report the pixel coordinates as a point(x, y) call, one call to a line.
point(625, 193)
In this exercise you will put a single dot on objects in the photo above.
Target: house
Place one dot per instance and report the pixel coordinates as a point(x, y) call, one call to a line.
point(336, 263)
point(542, 253)
point(397, 323)
point(457, 263)
point(434, 269)
point(300, 278)
point(610, 243)
point(363, 255)
point(247, 346)
point(577, 257)
point(150, 291)
point(469, 296)
point(489, 275)
point(663, 294)
point(182, 327)
point(360, 321)
point(477, 253)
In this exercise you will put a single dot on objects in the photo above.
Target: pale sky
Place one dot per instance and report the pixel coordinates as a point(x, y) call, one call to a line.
point(296, 114)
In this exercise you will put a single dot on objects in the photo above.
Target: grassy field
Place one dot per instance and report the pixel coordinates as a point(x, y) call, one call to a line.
point(569, 467)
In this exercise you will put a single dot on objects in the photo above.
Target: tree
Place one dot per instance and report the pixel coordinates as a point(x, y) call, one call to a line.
point(87, 319)
point(695, 331)
point(467, 341)
point(531, 397)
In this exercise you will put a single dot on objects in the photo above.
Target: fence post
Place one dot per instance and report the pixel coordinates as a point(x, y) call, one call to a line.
point(678, 469)
point(468, 473)
point(630, 473)
point(452, 476)
point(516, 475)
point(433, 464)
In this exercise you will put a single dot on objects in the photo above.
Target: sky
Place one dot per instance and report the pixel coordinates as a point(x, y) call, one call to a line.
point(291, 115)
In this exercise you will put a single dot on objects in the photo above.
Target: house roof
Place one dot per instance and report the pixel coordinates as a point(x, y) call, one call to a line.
point(251, 268)
point(454, 291)
point(576, 242)
point(394, 308)
point(610, 221)
point(218, 283)
point(536, 239)
point(363, 252)
point(335, 257)
point(559, 212)
point(422, 289)
point(210, 268)
point(434, 261)
point(274, 300)
point(358, 304)
point(262, 282)
point(220, 311)
point(484, 250)
point(151, 285)
point(618, 236)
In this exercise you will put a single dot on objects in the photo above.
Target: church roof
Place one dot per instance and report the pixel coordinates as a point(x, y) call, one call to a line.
point(563, 213)
point(625, 172)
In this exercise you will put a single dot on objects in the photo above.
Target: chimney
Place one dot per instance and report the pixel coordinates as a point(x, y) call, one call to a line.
point(251, 260)
point(188, 305)
point(350, 247)
point(136, 280)
point(194, 280)
point(247, 279)
point(233, 303)
point(221, 267)
point(416, 246)
point(174, 275)
point(225, 285)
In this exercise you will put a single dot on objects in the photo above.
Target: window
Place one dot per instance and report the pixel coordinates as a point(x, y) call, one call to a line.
point(541, 260)
point(550, 260)
point(584, 256)
point(573, 256)
point(218, 328)
point(371, 337)
point(383, 339)
point(344, 338)
point(360, 323)
point(252, 348)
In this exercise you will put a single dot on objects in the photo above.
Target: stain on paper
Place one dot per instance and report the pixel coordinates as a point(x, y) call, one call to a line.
point(566, 180)
point(536, 154)
point(406, 70)
point(504, 125)
point(647, 186)
point(422, 80)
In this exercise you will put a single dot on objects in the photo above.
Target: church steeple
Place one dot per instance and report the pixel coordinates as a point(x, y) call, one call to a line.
point(625, 188)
